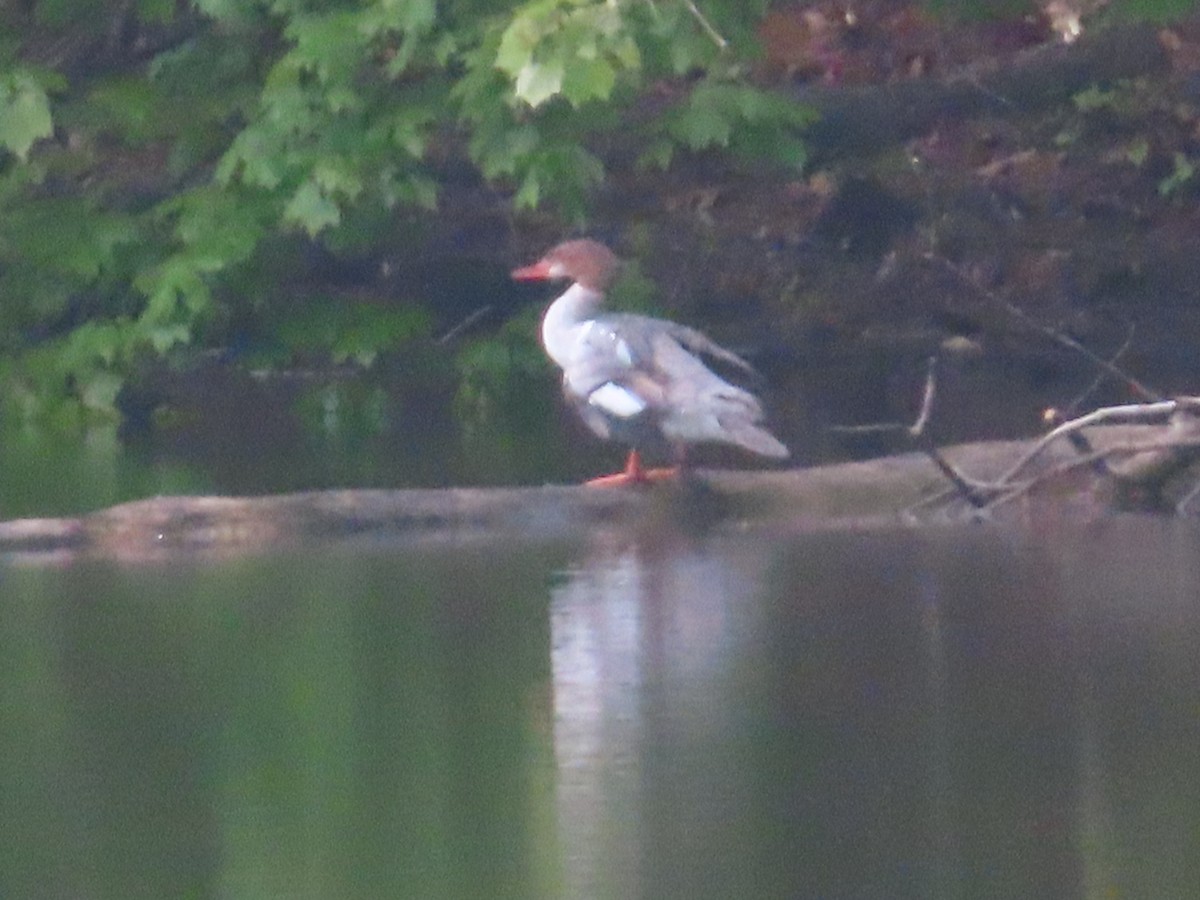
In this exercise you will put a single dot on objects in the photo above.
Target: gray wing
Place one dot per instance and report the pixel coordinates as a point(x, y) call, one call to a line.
point(616, 350)
point(652, 358)
point(628, 367)
point(627, 324)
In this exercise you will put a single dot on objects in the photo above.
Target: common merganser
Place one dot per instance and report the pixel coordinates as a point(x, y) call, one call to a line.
point(636, 379)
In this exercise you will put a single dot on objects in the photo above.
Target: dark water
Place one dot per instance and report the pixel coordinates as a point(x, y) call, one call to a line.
point(226, 431)
point(926, 714)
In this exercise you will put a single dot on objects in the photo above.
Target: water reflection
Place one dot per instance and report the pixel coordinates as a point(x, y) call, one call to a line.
point(642, 637)
point(927, 714)
point(888, 715)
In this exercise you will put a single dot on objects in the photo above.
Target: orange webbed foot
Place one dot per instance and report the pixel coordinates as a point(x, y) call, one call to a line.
point(635, 475)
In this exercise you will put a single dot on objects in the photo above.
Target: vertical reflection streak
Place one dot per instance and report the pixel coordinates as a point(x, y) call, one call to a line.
point(596, 634)
point(944, 819)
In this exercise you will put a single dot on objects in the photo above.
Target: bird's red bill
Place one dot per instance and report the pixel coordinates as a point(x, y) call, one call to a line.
point(539, 271)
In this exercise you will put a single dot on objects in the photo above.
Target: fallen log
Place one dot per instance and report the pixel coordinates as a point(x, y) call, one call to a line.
point(874, 493)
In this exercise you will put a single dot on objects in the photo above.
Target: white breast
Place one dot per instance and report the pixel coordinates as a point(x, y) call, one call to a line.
point(565, 324)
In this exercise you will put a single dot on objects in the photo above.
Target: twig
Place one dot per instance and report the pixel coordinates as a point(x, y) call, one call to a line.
point(918, 427)
point(987, 496)
point(464, 325)
point(1128, 447)
point(973, 492)
point(974, 81)
point(969, 492)
point(1182, 506)
point(873, 428)
point(706, 25)
point(1078, 440)
point(1072, 407)
point(1125, 413)
point(1057, 336)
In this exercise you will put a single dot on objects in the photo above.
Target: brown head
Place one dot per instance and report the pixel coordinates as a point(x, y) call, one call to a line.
point(587, 262)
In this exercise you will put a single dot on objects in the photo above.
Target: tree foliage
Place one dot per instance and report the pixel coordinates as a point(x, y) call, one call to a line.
point(164, 163)
point(161, 161)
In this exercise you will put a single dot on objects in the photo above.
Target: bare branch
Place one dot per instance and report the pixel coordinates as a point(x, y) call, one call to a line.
point(1181, 507)
point(1162, 456)
point(706, 25)
point(1130, 412)
point(972, 493)
point(1078, 440)
point(873, 428)
point(918, 427)
point(464, 325)
point(1057, 336)
point(1076, 404)
point(1120, 449)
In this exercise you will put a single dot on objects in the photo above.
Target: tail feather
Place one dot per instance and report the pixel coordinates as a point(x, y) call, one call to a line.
point(756, 440)
point(699, 342)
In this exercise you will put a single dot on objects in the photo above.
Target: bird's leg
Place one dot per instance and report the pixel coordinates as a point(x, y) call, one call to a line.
point(634, 474)
point(683, 469)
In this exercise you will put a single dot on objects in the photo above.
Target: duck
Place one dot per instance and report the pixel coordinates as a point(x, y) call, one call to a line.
point(638, 380)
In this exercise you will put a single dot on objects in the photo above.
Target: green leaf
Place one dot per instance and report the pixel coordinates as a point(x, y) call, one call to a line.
point(223, 10)
point(423, 192)
point(371, 330)
point(1184, 171)
point(156, 10)
point(791, 152)
point(65, 235)
point(90, 344)
point(702, 124)
point(538, 82)
point(1094, 97)
point(588, 79)
point(177, 279)
point(99, 391)
point(690, 50)
point(499, 154)
point(1138, 152)
point(517, 44)
point(409, 129)
point(335, 178)
point(657, 155)
point(356, 332)
point(218, 226)
point(410, 15)
point(1154, 10)
point(311, 209)
point(24, 113)
point(329, 45)
point(566, 47)
point(163, 337)
point(750, 122)
point(562, 172)
point(528, 193)
point(131, 108)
